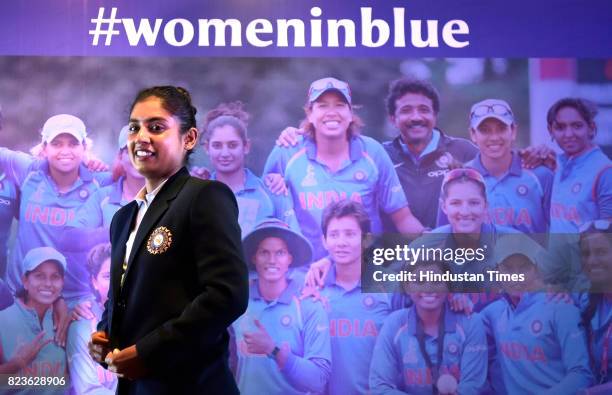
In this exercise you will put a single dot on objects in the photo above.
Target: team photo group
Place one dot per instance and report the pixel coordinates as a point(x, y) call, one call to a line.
point(327, 189)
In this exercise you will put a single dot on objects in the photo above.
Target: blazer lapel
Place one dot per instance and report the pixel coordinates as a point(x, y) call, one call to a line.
point(155, 212)
point(119, 243)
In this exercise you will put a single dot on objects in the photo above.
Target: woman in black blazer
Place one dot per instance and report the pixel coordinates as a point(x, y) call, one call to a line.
point(178, 276)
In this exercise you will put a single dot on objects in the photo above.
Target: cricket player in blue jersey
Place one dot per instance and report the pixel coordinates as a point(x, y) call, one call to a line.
point(87, 376)
point(428, 348)
point(539, 343)
point(282, 342)
point(517, 197)
point(463, 200)
point(227, 146)
point(333, 162)
point(8, 210)
point(355, 317)
point(582, 188)
point(596, 258)
point(52, 190)
point(26, 333)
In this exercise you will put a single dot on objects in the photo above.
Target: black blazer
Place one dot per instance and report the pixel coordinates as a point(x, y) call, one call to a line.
point(181, 290)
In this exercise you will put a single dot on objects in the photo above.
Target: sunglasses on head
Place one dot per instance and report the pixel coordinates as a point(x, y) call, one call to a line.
point(464, 172)
point(484, 109)
point(324, 84)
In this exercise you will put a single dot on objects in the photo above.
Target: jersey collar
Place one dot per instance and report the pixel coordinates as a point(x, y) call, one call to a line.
point(285, 297)
point(450, 320)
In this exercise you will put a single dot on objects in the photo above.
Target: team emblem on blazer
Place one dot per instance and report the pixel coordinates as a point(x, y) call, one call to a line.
point(159, 241)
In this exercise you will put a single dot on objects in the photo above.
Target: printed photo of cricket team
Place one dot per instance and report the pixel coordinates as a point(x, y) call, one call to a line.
point(313, 189)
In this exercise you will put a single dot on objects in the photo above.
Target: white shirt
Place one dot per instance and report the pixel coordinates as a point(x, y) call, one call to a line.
point(144, 201)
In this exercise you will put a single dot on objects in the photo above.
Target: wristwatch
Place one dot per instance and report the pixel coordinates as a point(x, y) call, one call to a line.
point(274, 352)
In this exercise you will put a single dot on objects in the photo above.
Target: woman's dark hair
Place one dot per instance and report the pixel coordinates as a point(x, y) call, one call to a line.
point(586, 108)
point(402, 86)
point(174, 99)
point(346, 208)
point(95, 259)
point(232, 114)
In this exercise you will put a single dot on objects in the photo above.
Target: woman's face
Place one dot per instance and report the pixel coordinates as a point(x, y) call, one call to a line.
point(101, 282)
point(494, 138)
point(427, 295)
point(596, 254)
point(465, 207)
point(343, 240)
point(64, 153)
point(331, 116)
point(573, 134)
point(44, 284)
point(518, 264)
point(156, 147)
point(227, 150)
point(272, 259)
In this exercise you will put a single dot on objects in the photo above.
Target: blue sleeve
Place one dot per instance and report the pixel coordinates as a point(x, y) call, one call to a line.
point(604, 193)
point(276, 162)
point(385, 368)
point(389, 191)
point(16, 165)
point(83, 370)
point(495, 380)
point(104, 178)
point(546, 178)
point(283, 210)
point(575, 356)
point(473, 363)
point(310, 373)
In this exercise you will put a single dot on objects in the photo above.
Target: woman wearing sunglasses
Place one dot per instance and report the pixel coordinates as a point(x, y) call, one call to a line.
point(596, 258)
point(335, 162)
point(517, 197)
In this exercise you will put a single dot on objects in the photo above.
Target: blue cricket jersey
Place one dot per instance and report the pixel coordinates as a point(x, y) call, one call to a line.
point(8, 211)
point(519, 199)
point(355, 318)
point(540, 346)
point(86, 375)
point(367, 177)
point(20, 326)
point(582, 191)
point(256, 203)
point(397, 364)
point(44, 214)
point(303, 326)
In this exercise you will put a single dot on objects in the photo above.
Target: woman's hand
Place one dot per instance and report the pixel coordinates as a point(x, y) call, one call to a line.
point(61, 320)
point(26, 353)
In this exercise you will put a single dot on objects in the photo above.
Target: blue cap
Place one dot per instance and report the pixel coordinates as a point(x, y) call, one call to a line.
point(123, 137)
point(299, 247)
point(36, 256)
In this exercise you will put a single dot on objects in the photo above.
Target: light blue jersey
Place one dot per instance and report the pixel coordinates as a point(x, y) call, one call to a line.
point(520, 199)
point(355, 319)
point(86, 376)
point(398, 366)
point(8, 211)
point(43, 215)
point(20, 326)
point(601, 327)
point(540, 346)
point(582, 191)
point(99, 209)
point(256, 203)
point(300, 324)
point(367, 177)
